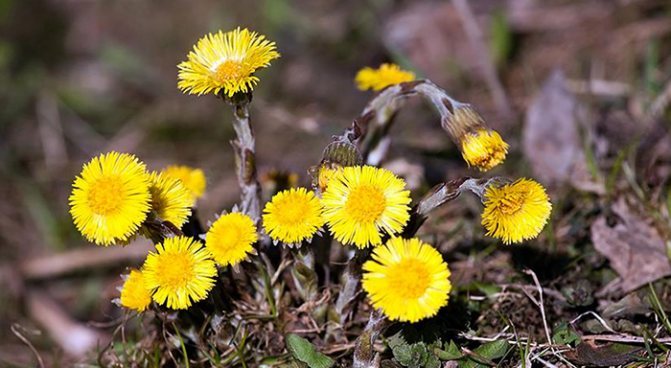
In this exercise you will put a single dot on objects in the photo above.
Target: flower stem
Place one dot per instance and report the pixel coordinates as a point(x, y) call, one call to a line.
point(245, 157)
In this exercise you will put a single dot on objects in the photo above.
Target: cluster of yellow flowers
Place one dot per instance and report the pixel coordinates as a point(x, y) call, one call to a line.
point(114, 197)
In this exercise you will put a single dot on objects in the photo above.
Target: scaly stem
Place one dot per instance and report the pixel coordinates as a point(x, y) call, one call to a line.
point(364, 354)
point(346, 302)
point(245, 157)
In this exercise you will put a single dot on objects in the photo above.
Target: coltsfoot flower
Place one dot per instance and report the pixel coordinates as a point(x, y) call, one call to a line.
point(230, 238)
point(134, 293)
point(110, 198)
point(407, 280)
point(193, 179)
point(483, 149)
point(363, 202)
point(386, 75)
point(292, 216)
point(515, 212)
point(170, 199)
point(225, 62)
point(179, 273)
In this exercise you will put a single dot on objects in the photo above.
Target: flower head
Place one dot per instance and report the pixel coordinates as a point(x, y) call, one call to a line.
point(170, 199)
point(225, 62)
point(110, 198)
point(134, 293)
point(324, 176)
point(362, 201)
point(192, 179)
point(230, 238)
point(483, 149)
point(292, 216)
point(515, 212)
point(180, 273)
point(385, 76)
point(407, 279)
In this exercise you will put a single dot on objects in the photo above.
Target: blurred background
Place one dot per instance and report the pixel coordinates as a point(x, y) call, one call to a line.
point(573, 87)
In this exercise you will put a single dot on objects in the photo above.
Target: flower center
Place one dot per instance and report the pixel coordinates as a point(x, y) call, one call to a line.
point(293, 211)
point(229, 70)
point(106, 196)
point(365, 203)
point(408, 279)
point(175, 270)
point(230, 237)
point(511, 203)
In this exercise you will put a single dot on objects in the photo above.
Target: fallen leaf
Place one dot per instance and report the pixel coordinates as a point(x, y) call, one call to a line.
point(551, 137)
point(635, 248)
point(611, 354)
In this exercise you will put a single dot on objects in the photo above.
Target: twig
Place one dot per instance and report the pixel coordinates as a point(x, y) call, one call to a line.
point(539, 303)
point(15, 330)
point(486, 66)
point(624, 339)
point(598, 317)
point(74, 338)
point(82, 259)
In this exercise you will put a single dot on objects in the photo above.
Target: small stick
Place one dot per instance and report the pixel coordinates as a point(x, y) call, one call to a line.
point(82, 259)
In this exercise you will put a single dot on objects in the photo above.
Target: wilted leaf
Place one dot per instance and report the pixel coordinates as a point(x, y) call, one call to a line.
point(635, 249)
point(551, 138)
point(304, 351)
point(611, 354)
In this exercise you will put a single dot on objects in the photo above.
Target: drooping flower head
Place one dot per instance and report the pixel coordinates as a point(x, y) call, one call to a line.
point(483, 149)
point(385, 76)
point(170, 199)
point(361, 203)
point(515, 212)
point(407, 280)
point(226, 62)
point(193, 179)
point(179, 273)
point(230, 238)
point(292, 216)
point(110, 198)
point(134, 293)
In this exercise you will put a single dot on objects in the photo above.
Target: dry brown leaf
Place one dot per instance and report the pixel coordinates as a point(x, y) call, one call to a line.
point(610, 354)
point(635, 248)
point(551, 138)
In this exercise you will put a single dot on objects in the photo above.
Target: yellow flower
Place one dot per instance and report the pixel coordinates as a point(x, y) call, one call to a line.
point(385, 76)
point(230, 238)
point(362, 201)
point(192, 179)
point(325, 175)
point(407, 280)
point(515, 212)
point(110, 198)
point(292, 216)
point(483, 149)
point(134, 294)
point(225, 61)
point(180, 273)
point(171, 200)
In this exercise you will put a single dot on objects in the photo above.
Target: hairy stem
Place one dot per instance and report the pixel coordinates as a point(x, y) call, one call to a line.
point(245, 158)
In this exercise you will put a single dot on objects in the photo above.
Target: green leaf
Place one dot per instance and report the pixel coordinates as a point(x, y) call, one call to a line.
point(563, 334)
point(486, 352)
point(451, 353)
point(304, 351)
